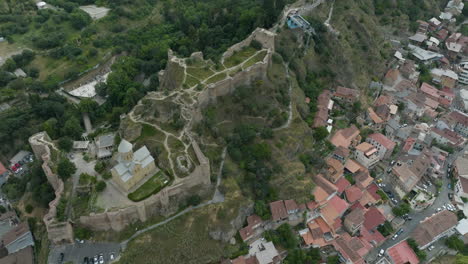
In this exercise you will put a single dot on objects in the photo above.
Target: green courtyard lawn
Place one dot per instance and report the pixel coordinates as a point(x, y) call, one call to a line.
point(152, 186)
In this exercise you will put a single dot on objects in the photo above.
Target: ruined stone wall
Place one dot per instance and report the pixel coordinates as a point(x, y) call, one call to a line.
point(57, 232)
point(265, 37)
point(157, 204)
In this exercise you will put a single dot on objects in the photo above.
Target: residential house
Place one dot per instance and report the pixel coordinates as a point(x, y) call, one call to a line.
point(363, 179)
point(346, 94)
point(352, 249)
point(104, 146)
point(353, 194)
point(335, 170)
point(253, 222)
point(265, 252)
point(354, 220)
point(463, 72)
point(324, 190)
point(19, 237)
point(434, 227)
point(447, 137)
point(455, 45)
point(3, 171)
point(341, 153)
point(460, 171)
point(22, 256)
point(444, 96)
point(442, 34)
point(461, 122)
point(423, 55)
point(407, 173)
point(444, 77)
point(434, 24)
point(384, 145)
point(324, 105)
point(409, 71)
point(366, 154)
point(418, 38)
point(347, 137)
point(132, 167)
point(374, 118)
point(402, 253)
point(373, 218)
point(342, 184)
point(391, 77)
point(278, 211)
point(291, 207)
point(392, 127)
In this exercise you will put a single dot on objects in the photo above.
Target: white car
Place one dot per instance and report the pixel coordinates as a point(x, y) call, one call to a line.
point(101, 259)
point(395, 236)
point(439, 209)
point(431, 247)
point(111, 257)
point(381, 252)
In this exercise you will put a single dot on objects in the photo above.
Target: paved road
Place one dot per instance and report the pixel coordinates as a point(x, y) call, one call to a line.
point(409, 226)
point(77, 252)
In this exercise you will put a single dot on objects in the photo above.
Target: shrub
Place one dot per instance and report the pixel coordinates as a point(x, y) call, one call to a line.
point(100, 186)
point(29, 208)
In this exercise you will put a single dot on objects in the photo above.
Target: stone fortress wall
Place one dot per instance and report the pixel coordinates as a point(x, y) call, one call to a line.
point(157, 204)
point(258, 71)
point(58, 232)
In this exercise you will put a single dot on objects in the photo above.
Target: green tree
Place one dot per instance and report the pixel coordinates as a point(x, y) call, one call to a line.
point(72, 128)
point(100, 166)
point(320, 133)
point(262, 210)
point(87, 105)
point(65, 144)
point(65, 168)
point(100, 186)
point(456, 243)
point(401, 210)
point(194, 200)
point(29, 208)
point(79, 19)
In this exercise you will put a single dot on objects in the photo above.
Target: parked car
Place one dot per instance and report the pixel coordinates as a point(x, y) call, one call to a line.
point(86, 260)
point(112, 256)
point(449, 186)
point(96, 259)
point(61, 257)
point(431, 247)
point(381, 252)
point(450, 196)
point(400, 231)
point(439, 209)
point(101, 259)
point(394, 236)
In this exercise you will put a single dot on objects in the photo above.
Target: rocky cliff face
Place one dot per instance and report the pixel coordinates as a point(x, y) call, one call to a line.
point(226, 233)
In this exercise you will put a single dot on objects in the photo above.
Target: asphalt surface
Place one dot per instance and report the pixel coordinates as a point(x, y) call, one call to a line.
point(77, 252)
point(409, 226)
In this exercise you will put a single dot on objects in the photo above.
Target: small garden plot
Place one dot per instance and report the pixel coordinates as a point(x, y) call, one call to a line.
point(218, 77)
point(150, 187)
point(239, 56)
point(200, 73)
point(259, 57)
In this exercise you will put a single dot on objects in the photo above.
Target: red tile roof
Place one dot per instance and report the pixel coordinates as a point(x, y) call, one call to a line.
point(353, 194)
point(290, 205)
point(433, 226)
point(373, 218)
point(346, 92)
point(339, 204)
point(246, 232)
point(326, 185)
point(278, 210)
point(402, 253)
point(374, 237)
point(253, 220)
point(382, 140)
point(342, 184)
point(409, 143)
point(2, 169)
point(429, 90)
point(458, 117)
point(372, 189)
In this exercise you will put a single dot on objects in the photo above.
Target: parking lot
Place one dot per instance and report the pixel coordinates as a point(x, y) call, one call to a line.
point(77, 252)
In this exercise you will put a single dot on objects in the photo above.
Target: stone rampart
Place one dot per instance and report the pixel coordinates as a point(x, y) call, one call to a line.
point(157, 204)
point(57, 232)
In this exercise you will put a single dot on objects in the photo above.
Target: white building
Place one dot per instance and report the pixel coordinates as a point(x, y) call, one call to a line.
point(463, 74)
point(366, 154)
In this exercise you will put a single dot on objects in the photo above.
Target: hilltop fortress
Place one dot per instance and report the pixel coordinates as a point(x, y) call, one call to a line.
point(187, 85)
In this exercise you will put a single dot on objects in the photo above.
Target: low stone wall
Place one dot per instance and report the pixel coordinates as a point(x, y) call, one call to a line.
point(157, 204)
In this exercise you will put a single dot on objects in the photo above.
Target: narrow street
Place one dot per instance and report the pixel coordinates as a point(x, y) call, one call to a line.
point(409, 226)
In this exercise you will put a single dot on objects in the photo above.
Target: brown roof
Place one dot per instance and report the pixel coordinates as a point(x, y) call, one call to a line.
point(459, 117)
point(290, 205)
point(356, 217)
point(344, 137)
point(383, 100)
point(464, 184)
point(335, 170)
point(382, 140)
point(278, 210)
point(433, 226)
point(246, 232)
point(364, 147)
point(342, 152)
point(15, 233)
point(373, 115)
point(363, 178)
point(327, 186)
point(353, 166)
point(392, 75)
point(253, 220)
point(353, 194)
point(23, 256)
point(343, 245)
point(346, 92)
